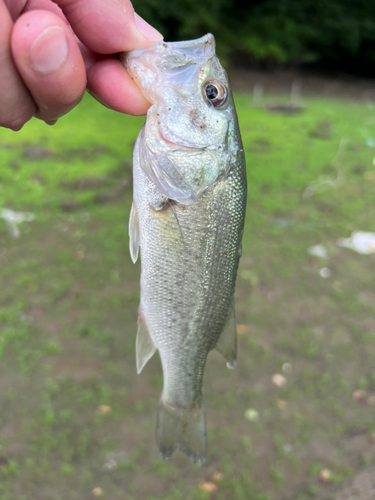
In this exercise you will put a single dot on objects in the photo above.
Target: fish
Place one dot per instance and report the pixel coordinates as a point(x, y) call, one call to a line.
point(187, 220)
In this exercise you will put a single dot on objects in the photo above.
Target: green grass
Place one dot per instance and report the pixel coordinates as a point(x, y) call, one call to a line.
point(68, 307)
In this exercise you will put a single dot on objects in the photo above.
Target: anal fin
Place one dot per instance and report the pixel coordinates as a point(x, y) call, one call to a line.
point(144, 345)
point(227, 343)
point(134, 236)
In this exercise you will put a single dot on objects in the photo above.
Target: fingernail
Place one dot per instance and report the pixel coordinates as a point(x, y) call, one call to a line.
point(49, 51)
point(146, 29)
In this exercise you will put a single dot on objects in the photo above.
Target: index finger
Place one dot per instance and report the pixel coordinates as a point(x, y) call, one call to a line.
point(108, 26)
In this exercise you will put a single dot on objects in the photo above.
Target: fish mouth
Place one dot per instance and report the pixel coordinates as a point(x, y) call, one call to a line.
point(207, 42)
point(209, 38)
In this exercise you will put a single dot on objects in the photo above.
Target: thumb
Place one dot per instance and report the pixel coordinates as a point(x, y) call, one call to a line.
point(108, 26)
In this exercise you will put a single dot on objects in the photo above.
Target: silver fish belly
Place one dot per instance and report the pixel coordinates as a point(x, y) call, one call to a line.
point(187, 218)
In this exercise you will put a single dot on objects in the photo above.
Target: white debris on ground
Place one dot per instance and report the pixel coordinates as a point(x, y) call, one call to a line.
point(12, 220)
point(325, 272)
point(325, 475)
point(370, 142)
point(322, 183)
point(287, 368)
point(110, 465)
point(359, 241)
point(252, 415)
point(279, 380)
point(97, 492)
point(319, 251)
point(113, 460)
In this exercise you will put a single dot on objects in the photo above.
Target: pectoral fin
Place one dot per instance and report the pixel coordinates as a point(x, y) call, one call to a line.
point(134, 236)
point(227, 343)
point(144, 345)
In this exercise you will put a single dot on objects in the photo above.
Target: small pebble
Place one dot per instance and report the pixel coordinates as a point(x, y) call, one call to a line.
point(241, 329)
point(252, 415)
point(359, 395)
point(104, 409)
point(97, 492)
point(209, 487)
point(325, 272)
point(279, 380)
point(287, 368)
point(325, 475)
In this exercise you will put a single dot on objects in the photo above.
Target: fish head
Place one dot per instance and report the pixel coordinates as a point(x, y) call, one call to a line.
point(189, 138)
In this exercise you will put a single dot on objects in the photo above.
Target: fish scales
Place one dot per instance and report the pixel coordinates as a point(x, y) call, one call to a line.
point(187, 217)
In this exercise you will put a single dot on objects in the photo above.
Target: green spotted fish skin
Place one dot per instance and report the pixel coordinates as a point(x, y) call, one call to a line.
point(187, 218)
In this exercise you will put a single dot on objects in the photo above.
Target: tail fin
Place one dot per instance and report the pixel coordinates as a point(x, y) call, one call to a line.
point(182, 428)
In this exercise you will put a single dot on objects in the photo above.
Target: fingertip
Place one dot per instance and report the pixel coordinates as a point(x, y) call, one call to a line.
point(112, 86)
point(50, 122)
point(108, 26)
point(148, 31)
point(49, 61)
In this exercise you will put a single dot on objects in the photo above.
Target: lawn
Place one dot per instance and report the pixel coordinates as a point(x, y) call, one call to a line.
point(76, 422)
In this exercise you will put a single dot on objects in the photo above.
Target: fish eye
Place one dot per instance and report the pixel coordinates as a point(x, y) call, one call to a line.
point(215, 92)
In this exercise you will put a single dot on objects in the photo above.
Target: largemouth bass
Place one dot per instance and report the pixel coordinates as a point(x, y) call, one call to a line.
point(187, 217)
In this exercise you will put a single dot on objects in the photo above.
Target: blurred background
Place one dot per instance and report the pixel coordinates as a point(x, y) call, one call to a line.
point(296, 419)
point(337, 35)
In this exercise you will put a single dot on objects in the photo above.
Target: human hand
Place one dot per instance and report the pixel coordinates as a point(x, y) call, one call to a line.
point(51, 50)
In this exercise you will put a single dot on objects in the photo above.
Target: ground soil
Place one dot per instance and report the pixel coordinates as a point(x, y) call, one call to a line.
point(85, 419)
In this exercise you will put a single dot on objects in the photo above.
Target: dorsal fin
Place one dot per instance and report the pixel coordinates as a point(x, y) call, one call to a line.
point(134, 236)
point(144, 345)
point(227, 343)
